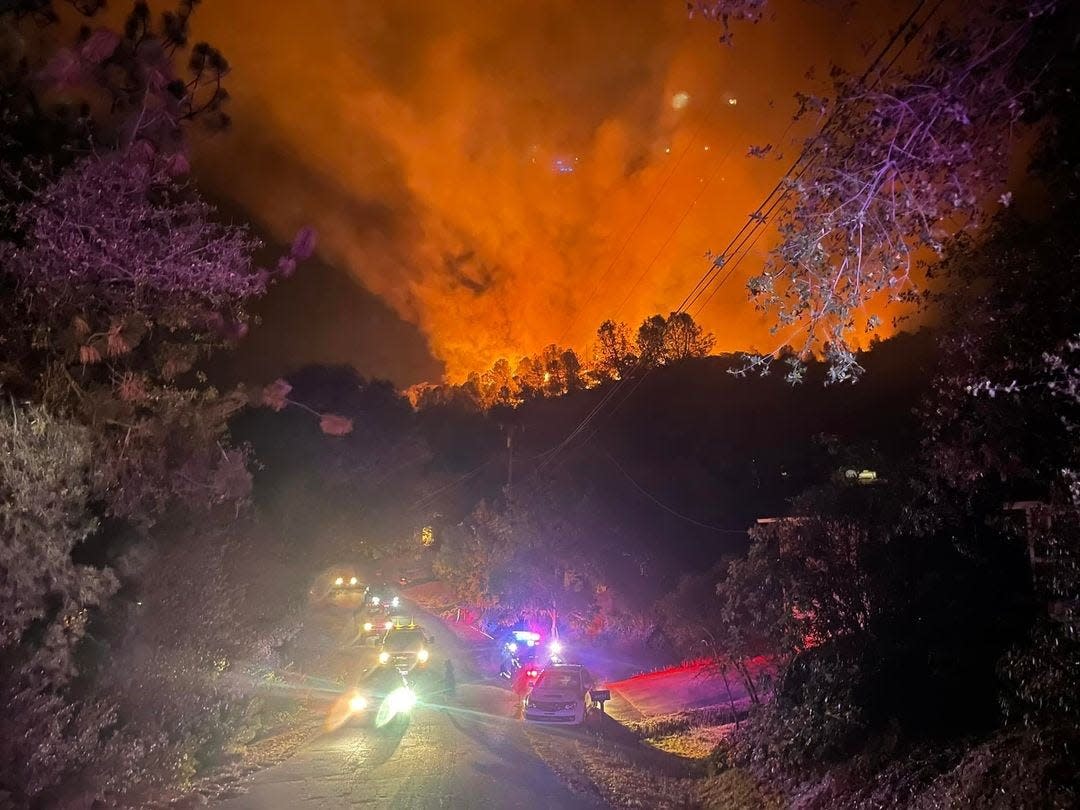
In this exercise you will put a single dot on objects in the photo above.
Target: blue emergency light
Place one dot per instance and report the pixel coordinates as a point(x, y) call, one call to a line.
point(529, 637)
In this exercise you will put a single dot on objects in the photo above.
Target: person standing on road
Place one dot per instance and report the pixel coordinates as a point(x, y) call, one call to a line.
point(449, 678)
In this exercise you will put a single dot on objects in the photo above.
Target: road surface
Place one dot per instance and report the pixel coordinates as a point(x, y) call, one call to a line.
point(467, 751)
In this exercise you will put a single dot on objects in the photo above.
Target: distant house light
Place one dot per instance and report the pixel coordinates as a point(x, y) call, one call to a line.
point(861, 476)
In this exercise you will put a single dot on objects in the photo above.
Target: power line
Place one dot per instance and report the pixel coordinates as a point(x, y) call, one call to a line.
point(432, 496)
point(663, 505)
point(644, 214)
point(675, 230)
point(754, 222)
point(732, 268)
point(759, 217)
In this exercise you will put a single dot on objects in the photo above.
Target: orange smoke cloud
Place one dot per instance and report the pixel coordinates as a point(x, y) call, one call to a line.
point(482, 166)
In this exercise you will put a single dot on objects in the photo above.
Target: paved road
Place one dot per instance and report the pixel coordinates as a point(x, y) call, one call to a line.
point(468, 751)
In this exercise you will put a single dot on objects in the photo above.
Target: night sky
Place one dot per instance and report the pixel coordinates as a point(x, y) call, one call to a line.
point(480, 173)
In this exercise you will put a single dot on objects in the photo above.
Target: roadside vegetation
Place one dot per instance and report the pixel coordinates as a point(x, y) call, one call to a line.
point(160, 534)
point(141, 597)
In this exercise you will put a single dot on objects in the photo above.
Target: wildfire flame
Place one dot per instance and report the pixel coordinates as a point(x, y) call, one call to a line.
point(507, 176)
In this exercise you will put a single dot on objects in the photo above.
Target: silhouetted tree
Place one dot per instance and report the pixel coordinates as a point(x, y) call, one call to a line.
point(529, 377)
point(650, 341)
point(910, 152)
point(571, 370)
point(502, 382)
point(663, 340)
point(684, 338)
point(613, 352)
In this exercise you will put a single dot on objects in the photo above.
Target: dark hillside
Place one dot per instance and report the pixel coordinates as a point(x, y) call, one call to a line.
point(666, 481)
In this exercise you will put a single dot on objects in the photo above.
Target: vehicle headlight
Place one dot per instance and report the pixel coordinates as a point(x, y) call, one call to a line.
point(422, 656)
point(395, 602)
point(388, 625)
point(374, 600)
point(384, 656)
point(352, 580)
point(339, 581)
point(401, 700)
point(555, 647)
point(357, 703)
point(368, 626)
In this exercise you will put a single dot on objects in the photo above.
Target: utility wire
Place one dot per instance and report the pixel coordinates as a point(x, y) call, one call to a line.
point(784, 185)
point(675, 230)
point(755, 221)
point(432, 496)
point(644, 214)
point(663, 505)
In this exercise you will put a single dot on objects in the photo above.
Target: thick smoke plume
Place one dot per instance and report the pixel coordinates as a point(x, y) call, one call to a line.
point(482, 166)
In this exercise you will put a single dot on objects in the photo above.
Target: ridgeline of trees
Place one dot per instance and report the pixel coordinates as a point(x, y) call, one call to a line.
point(925, 636)
point(556, 370)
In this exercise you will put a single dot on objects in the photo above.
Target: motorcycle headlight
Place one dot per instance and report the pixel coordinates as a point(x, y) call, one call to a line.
point(368, 626)
point(384, 656)
point(357, 703)
point(422, 656)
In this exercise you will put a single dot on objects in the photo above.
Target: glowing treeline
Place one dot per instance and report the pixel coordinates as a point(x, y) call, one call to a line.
point(431, 147)
point(558, 370)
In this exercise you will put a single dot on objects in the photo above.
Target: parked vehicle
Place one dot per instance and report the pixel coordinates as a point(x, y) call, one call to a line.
point(561, 695)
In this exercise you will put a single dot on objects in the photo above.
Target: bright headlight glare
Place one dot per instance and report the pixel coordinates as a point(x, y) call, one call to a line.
point(422, 656)
point(374, 600)
point(555, 647)
point(401, 700)
point(339, 581)
point(367, 627)
point(384, 657)
point(352, 580)
point(387, 625)
point(357, 703)
point(395, 602)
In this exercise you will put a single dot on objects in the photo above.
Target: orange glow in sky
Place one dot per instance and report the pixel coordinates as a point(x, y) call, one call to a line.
point(508, 175)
